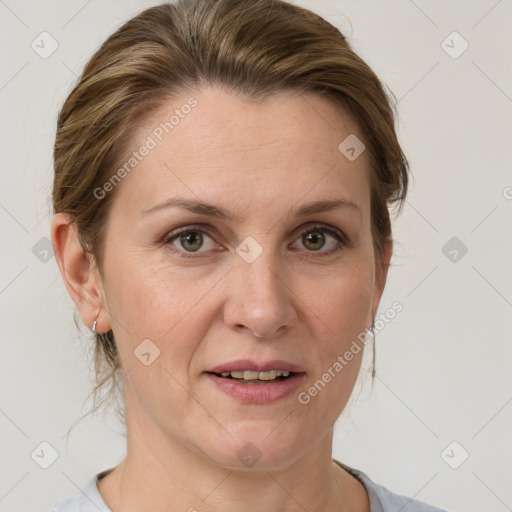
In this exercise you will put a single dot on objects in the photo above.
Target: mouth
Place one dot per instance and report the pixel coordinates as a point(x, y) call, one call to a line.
point(254, 377)
point(256, 382)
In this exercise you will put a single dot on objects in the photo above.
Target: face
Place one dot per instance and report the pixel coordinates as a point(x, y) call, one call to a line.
point(278, 273)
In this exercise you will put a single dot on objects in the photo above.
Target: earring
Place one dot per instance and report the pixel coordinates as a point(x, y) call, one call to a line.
point(372, 330)
point(95, 321)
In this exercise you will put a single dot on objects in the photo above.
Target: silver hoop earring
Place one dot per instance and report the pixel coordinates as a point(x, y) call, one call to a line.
point(95, 322)
point(372, 329)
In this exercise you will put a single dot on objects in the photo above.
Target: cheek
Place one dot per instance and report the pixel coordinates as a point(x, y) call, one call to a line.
point(344, 300)
point(151, 309)
point(341, 310)
point(151, 296)
point(150, 300)
point(341, 315)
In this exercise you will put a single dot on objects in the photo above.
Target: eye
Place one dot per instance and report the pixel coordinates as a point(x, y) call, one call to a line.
point(190, 240)
point(316, 238)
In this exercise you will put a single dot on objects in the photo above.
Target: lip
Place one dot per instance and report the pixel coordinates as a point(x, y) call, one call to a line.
point(255, 366)
point(263, 393)
point(270, 391)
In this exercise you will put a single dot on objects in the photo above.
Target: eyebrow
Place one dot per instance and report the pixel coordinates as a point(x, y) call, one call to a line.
point(210, 210)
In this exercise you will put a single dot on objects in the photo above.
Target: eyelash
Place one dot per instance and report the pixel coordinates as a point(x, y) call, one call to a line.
point(338, 235)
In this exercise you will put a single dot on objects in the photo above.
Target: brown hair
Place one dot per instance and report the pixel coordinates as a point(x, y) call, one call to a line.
point(254, 48)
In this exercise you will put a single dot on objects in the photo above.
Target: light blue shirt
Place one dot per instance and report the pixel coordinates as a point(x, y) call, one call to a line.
point(381, 499)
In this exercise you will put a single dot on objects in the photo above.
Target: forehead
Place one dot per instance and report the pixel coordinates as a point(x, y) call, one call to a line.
point(215, 145)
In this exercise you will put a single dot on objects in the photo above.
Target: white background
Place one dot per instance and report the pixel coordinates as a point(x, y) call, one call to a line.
point(443, 364)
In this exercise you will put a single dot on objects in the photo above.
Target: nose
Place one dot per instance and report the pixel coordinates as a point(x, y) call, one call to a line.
point(259, 299)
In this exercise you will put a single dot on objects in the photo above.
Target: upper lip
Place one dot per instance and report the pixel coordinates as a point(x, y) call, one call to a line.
point(256, 366)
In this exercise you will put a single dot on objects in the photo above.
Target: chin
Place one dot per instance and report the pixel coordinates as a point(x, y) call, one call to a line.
point(255, 452)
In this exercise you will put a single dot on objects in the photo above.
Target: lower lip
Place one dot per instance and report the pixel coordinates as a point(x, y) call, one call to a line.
point(266, 393)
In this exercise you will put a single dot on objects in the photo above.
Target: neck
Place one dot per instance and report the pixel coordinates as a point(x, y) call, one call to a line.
point(160, 473)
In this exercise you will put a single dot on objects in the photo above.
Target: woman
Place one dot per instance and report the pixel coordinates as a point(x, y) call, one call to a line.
point(223, 172)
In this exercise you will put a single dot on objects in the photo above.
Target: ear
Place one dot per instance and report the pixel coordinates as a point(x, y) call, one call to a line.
point(382, 274)
point(79, 273)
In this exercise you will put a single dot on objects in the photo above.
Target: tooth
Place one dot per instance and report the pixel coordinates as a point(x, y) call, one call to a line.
point(252, 375)
point(271, 375)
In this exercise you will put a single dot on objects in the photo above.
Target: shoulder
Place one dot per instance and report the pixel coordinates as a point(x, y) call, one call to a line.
point(383, 500)
point(89, 499)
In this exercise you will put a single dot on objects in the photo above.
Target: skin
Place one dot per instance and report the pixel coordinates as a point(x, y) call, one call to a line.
point(261, 161)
